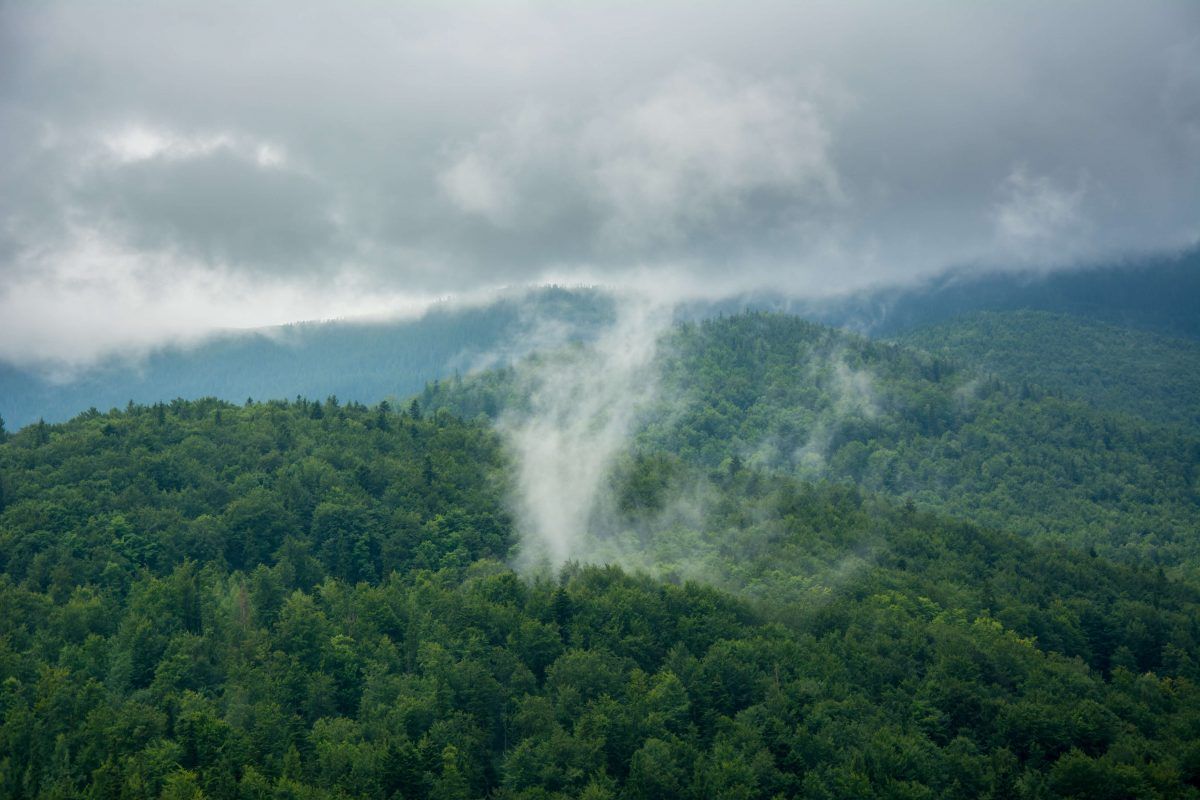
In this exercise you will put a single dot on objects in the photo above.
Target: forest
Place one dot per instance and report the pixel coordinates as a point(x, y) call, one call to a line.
point(792, 396)
point(1114, 368)
point(859, 599)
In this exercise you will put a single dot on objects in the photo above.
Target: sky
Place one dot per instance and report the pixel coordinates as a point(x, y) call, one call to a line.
point(170, 169)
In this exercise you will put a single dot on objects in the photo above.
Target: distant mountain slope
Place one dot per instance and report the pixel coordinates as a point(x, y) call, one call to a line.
point(1117, 369)
point(363, 361)
point(369, 361)
point(1161, 295)
point(793, 396)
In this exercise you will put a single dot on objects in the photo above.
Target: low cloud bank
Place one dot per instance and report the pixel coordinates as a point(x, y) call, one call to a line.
point(172, 170)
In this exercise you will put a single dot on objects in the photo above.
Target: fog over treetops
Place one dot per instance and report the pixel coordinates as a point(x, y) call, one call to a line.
point(174, 169)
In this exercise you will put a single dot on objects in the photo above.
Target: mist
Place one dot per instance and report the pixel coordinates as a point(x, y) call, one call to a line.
point(582, 414)
point(583, 405)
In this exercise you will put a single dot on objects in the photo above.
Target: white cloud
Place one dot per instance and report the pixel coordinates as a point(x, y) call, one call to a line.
point(517, 175)
point(654, 165)
point(92, 296)
point(697, 150)
point(1037, 219)
point(136, 143)
point(476, 187)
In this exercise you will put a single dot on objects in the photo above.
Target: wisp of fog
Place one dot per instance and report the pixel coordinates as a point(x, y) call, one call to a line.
point(584, 403)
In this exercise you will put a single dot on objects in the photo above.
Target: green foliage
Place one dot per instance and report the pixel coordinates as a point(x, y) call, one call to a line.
point(794, 397)
point(203, 600)
point(1112, 368)
point(107, 497)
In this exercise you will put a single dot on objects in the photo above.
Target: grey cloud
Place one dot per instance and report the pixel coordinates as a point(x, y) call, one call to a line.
point(705, 152)
point(678, 166)
point(1039, 221)
point(415, 150)
point(218, 207)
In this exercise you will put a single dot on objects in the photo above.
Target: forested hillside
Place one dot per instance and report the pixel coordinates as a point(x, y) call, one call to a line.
point(306, 600)
point(795, 397)
point(1112, 368)
point(374, 360)
point(1157, 295)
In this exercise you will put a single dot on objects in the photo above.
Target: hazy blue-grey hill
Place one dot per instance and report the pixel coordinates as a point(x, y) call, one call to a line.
point(363, 361)
point(1113, 368)
point(1161, 296)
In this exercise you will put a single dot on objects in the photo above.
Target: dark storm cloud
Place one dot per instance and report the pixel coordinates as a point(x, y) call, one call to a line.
point(171, 168)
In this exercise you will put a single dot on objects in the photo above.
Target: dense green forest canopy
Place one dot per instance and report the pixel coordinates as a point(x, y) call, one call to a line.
point(1110, 367)
point(791, 396)
point(308, 599)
